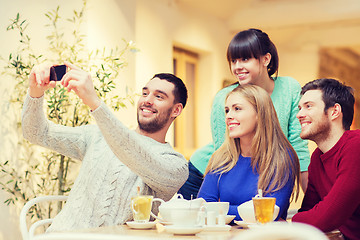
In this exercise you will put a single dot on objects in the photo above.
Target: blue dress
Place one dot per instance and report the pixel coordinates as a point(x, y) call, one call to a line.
point(240, 185)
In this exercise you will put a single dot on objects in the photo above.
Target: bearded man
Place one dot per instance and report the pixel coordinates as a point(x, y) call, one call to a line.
point(115, 160)
point(332, 198)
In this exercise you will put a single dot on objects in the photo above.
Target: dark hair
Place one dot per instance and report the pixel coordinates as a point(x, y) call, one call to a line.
point(334, 92)
point(253, 43)
point(180, 91)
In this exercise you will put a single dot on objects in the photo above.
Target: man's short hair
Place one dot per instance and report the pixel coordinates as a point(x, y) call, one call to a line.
point(180, 91)
point(335, 92)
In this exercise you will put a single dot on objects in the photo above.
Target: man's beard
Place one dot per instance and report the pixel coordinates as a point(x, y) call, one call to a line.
point(156, 124)
point(318, 133)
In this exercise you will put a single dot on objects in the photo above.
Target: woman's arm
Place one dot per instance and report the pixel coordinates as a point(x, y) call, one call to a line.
point(300, 146)
point(209, 189)
point(201, 157)
point(285, 97)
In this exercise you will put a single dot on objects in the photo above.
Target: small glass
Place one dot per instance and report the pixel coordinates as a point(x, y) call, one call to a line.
point(264, 209)
point(141, 208)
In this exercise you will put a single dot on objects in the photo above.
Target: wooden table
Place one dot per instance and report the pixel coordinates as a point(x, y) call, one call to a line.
point(123, 232)
point(126, 233)
point(160, 233)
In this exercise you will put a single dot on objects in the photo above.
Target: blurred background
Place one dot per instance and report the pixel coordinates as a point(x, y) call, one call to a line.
point(314, 38)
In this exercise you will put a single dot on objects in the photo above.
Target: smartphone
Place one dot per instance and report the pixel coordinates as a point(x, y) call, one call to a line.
point(57, 72)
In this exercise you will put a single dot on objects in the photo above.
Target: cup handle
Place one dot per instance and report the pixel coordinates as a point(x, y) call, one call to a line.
point(151, 213)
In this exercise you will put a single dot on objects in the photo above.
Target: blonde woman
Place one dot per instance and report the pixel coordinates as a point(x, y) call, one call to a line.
point(255, 155)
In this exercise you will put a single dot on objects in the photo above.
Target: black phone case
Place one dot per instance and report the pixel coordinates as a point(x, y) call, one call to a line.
point(57, 72)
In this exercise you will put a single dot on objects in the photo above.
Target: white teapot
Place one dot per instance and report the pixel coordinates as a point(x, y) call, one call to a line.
point(178, 204)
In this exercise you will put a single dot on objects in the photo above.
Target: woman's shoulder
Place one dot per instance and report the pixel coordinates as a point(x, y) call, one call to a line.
point(287, 81)
point(286, 86)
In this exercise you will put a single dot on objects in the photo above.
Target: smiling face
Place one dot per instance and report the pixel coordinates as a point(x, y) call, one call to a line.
point(250, 70)
point(155, 106)
point(315, 124)
point(241, 117)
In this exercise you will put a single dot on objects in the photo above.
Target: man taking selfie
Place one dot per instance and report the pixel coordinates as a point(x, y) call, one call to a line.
point(115, 159)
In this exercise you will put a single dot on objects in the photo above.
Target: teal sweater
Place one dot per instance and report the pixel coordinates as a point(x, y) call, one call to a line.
point(285, 97)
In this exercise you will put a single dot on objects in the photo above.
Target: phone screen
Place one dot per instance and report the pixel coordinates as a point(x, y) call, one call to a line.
point(57, 72)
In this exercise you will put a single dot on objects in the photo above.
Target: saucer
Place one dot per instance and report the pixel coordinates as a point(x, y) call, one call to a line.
point(183, 230)
point(217, 228)
point(244, 224)
point(137, 225)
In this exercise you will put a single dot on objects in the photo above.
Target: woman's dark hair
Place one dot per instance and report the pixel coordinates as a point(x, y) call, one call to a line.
point(253, 43)
point(180, 91)
point(333, 92)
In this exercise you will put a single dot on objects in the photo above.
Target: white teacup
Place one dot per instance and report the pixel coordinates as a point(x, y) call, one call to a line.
point(185, 217)
point(217, 207)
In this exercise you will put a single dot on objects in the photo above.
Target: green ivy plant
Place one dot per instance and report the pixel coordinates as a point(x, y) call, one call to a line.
point(38, 171)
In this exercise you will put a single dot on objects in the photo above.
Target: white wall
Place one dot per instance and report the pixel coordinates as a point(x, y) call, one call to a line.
point(109, 22)
point(161, 24)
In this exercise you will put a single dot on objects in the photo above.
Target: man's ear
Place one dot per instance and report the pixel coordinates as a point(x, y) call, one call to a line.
point(177, 109)
point(336, 111)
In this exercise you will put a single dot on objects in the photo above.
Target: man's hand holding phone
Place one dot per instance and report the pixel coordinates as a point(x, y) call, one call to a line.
point(45, 76)
point(81, 83)
point(57, 72)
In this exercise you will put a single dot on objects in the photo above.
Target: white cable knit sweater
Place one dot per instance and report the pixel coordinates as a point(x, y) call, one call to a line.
point(115, 160)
